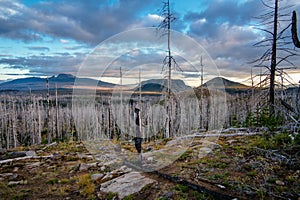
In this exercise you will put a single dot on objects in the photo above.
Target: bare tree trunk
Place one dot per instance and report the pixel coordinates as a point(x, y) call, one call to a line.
point(2, 126)
point(7, 126)
point(140, 102)
point(169, 108)
point(48, 113)
point(13, 126)
point(39, 123)
point(121, 104)
point(273, 63)
point(110, 123)
point(294, 30)
point(33, 120)
point(56, 118)
point(201, 96)
point(102, 117)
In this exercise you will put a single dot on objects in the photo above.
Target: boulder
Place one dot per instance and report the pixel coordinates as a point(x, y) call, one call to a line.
point(203, 151)
point(87, 166)
point(30, 153)
point(96, 177)
point(85, 156)
point(122, 170)
point(126, 184)
point(115, 173)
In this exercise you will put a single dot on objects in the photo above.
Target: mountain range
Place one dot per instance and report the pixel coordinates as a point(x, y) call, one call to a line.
point(61, 81)
point(66, 81)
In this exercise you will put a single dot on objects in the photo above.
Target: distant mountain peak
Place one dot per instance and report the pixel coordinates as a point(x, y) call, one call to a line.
point(158, 85)
point(65, 76)
point(229, 86)
point(223, 82)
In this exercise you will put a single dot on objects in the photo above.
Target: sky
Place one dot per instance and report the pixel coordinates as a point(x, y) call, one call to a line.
point(46, 38)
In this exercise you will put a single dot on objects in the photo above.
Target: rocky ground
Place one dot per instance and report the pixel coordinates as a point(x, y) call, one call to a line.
point(241, 167)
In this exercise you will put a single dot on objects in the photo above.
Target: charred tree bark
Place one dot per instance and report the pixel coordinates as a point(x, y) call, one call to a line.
point(273, 62)
point(294, 30)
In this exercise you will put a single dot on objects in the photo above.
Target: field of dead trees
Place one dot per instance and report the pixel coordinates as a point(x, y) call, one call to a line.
point(29, 119)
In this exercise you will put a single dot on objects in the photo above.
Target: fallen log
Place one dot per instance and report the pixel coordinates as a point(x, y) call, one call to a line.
point(202, 135)
point(199, 188)
point(11, 155)
point(49, 145)
point(16, 154)
point(11, 160)
point(276, 157)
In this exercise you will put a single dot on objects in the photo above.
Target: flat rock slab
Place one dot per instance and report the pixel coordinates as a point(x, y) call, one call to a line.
point(127, 184)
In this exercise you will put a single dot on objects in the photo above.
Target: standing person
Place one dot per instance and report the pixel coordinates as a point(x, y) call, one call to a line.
point(137, 139)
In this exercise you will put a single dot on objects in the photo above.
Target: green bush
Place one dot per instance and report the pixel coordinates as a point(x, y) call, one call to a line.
point(269, 142)
point(250, 120)
point(282, 139)
point(52, 181)
point(181, 188)
point(234, 121)
point(262, 142)
point(272, 122)
point(297, 139)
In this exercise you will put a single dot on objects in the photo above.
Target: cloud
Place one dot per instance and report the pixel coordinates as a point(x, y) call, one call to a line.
point(231, 11)
point(225, 30)
point(36, 48)
point(191, 74)
point(9, 9)
point(76, 47)
point(86, 21)
point(47, 65)
point(64, 41)
point(155, 17)
point(222, 27)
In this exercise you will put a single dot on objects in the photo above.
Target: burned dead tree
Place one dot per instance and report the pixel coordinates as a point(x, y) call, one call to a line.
point(169, 62)
point(276, 57)
point(294, 30)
